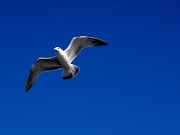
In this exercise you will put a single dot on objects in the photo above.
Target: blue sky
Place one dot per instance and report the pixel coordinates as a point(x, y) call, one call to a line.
point(130, 87)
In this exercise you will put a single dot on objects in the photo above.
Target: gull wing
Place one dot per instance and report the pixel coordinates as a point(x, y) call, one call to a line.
point(41, 65)
point(78, 43)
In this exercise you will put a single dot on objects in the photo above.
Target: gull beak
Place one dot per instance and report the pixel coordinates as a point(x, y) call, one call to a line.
point(55, 49)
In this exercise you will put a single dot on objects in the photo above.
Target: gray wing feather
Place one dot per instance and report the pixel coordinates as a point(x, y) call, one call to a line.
point(78, 43)
point(41, 65)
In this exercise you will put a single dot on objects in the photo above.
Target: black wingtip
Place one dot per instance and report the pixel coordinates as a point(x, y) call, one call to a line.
point(97, 41)
point(27, 89)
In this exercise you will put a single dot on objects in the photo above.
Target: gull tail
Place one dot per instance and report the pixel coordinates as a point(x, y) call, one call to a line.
point(68, 75)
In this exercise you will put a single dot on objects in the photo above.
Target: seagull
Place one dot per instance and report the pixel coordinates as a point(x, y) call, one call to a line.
point(63, 59)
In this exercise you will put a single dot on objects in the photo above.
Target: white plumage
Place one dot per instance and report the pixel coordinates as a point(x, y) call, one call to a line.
point(63, 59)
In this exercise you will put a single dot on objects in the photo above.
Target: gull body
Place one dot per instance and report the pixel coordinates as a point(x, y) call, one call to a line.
point(63, 59)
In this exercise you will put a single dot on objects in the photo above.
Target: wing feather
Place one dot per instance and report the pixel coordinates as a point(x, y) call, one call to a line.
point(78, 43)
point(41, 65)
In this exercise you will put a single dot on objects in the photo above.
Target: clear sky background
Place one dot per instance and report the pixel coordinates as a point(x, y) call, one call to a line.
point(130, 87)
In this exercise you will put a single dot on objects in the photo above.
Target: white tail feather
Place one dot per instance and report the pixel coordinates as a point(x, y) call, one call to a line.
point(69, 75)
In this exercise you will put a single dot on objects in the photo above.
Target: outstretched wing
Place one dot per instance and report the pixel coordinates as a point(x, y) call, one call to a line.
point(78, 43)
point(41, 65)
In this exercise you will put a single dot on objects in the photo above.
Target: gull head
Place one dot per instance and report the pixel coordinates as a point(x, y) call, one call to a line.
point(58, 49)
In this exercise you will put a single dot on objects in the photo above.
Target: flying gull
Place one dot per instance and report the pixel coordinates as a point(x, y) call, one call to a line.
point(63, 59)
